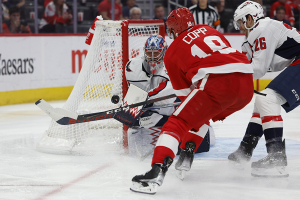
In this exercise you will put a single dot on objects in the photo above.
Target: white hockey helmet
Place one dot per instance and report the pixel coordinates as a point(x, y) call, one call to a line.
point(247, 8)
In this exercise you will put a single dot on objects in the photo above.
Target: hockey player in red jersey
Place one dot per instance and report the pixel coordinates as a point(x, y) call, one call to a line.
point(212, 79)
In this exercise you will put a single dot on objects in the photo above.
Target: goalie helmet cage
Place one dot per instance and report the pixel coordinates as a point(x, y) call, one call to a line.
point(102, 76)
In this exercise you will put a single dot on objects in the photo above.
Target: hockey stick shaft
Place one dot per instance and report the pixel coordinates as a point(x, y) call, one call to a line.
point(89, 116)
point(161, 106)
point(256, 92)
point(65, 117)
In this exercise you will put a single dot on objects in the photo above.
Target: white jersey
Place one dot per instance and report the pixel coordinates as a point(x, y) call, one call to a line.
point(157, 84)
point(271, 45)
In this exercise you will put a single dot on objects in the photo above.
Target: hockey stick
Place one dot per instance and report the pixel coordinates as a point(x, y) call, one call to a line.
point(161, 106)
point(65, 117)
point(256, 92)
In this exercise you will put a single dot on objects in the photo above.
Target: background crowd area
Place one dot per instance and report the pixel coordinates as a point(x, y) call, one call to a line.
point(56, 16)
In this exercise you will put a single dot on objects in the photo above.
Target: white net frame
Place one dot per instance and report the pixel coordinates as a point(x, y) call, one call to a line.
point(101, 76)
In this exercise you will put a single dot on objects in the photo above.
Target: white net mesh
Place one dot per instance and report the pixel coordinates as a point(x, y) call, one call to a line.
point(100, 77)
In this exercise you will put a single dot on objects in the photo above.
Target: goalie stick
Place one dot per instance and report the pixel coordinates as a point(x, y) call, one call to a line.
point(65, 117)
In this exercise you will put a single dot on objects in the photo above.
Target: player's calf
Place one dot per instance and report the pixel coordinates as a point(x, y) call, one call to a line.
point(148, 182)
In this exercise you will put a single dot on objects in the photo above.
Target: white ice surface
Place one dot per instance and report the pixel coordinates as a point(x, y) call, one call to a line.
point(106, 174)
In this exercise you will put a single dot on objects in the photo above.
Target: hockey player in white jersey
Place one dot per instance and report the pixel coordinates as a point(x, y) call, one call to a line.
point(269, 44)
point(149, 75)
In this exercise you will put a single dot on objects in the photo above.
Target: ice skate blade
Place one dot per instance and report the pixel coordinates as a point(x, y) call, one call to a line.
point(139, 188)
point(181, 174)
point(185, 165)
point(276, 172)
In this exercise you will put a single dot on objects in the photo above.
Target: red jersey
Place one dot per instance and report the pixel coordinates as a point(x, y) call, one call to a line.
point(50, 15)
point(293, 4)
point(105, 6)
point(46, 3)
point(5, 28)
point(289, 15)
point(199, 51)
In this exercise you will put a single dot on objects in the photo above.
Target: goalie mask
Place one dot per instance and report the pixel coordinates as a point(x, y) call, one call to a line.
point(251, 8)
point(155, 48)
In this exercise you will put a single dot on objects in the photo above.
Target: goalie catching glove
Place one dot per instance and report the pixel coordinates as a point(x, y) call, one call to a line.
point(130, 116)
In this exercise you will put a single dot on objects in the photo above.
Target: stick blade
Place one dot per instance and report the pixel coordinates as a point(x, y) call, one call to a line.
point(44, 106)
point(61, 116)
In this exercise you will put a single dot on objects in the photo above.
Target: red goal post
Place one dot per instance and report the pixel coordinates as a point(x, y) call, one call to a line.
point(125, 33)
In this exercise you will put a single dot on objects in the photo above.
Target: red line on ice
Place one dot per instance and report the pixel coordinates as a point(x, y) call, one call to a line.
point(29, 185)
point(72, 182)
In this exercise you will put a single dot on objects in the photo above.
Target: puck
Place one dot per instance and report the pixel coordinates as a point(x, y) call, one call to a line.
point(115, 99)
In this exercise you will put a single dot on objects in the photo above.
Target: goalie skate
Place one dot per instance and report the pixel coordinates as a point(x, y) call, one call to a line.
point(273, 165)
point(149, 182)
point(185, 160)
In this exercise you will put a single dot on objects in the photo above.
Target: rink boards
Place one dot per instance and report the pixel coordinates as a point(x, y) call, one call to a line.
point(34, 67)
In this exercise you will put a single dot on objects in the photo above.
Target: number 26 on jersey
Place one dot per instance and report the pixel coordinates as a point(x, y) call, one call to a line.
point(260, 44)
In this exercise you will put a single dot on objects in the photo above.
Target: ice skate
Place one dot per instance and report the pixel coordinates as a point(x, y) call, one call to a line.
point(185, 160)
point(149, 182)
point(273, 165)
point(244, 153)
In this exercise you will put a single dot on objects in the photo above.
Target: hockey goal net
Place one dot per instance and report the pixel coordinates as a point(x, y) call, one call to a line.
point(101, 77)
